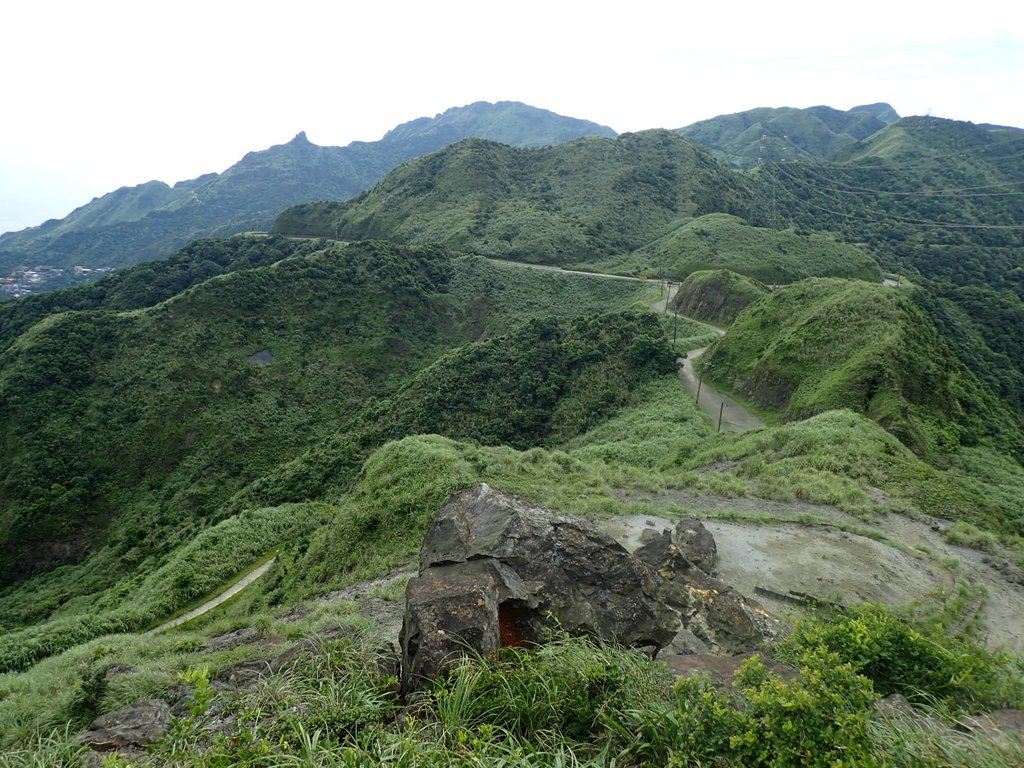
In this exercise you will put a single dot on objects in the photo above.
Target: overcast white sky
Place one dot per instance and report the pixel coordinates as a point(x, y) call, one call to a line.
point(103, 94)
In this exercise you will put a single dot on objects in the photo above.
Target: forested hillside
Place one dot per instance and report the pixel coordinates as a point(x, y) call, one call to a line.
point(564, 204)
point(127, 431)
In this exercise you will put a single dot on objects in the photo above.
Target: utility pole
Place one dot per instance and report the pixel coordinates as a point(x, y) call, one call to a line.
point(771, 152)
point(700, 383)
point(721, 410)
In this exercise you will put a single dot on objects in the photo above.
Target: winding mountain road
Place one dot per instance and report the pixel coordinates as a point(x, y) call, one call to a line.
point(734, 417)
point(726, 414)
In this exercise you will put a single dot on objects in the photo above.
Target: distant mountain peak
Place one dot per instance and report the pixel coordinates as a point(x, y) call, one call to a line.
point(882, 111)
point(300, 138)
point(507, 122)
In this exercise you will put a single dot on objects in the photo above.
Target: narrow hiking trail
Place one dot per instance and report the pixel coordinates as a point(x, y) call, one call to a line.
point(726, 414)
point(223, 597)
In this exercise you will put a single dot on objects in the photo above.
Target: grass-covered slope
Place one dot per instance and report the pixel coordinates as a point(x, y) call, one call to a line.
point(127, 433)
point(716, 295)
point(659, 442)
point(543, 382)
point(940, 202)
point(825, 343)
point(571, 203)
point(773, 256)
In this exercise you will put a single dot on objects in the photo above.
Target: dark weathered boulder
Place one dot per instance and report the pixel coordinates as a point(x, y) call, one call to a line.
point(498, 570)
point(228, 640)
point(136, 725)
point(689, 540)
point(999, 724)
point(446, 615)
point(715, 617)
point(550, 563)
point(243, 674)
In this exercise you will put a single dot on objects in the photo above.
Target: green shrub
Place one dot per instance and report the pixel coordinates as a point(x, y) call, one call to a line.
point(901, 656)
point(964, 534)
point(819, 719)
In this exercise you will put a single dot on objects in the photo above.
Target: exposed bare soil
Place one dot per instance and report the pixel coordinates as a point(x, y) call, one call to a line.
point(770, 562)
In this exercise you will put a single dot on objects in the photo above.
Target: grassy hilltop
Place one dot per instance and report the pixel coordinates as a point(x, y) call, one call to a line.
point(824, 344)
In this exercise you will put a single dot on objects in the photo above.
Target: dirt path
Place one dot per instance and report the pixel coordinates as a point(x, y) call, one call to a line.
point(734, 417)
point(223, 597)
point(661, 304)
point(549, 268)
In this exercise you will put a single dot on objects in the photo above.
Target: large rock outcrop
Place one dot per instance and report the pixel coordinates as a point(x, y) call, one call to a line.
point(496, 570)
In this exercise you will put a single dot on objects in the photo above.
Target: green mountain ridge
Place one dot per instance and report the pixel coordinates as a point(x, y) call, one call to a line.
point(565, 204)
point(747, 139)
point(153, 219)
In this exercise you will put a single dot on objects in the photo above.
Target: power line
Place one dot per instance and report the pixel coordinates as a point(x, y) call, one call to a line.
point(901, 219)
point(1016, 137)
point(953, 192)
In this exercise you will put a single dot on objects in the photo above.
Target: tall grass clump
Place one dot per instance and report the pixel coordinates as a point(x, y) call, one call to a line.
point(564, 690)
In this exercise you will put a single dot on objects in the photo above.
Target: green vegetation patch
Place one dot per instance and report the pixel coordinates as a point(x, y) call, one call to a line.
point(844, 459)
point(124, 433)
point(936, 201)
point(572, 203)
point(911, 658)
point(155, 417)
point(198, 568)
point(721, 241)
point(569, 702)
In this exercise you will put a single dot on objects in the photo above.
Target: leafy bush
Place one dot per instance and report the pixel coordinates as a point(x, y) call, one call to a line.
point(964, 534)
point(901, 656)
point(818, 719)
